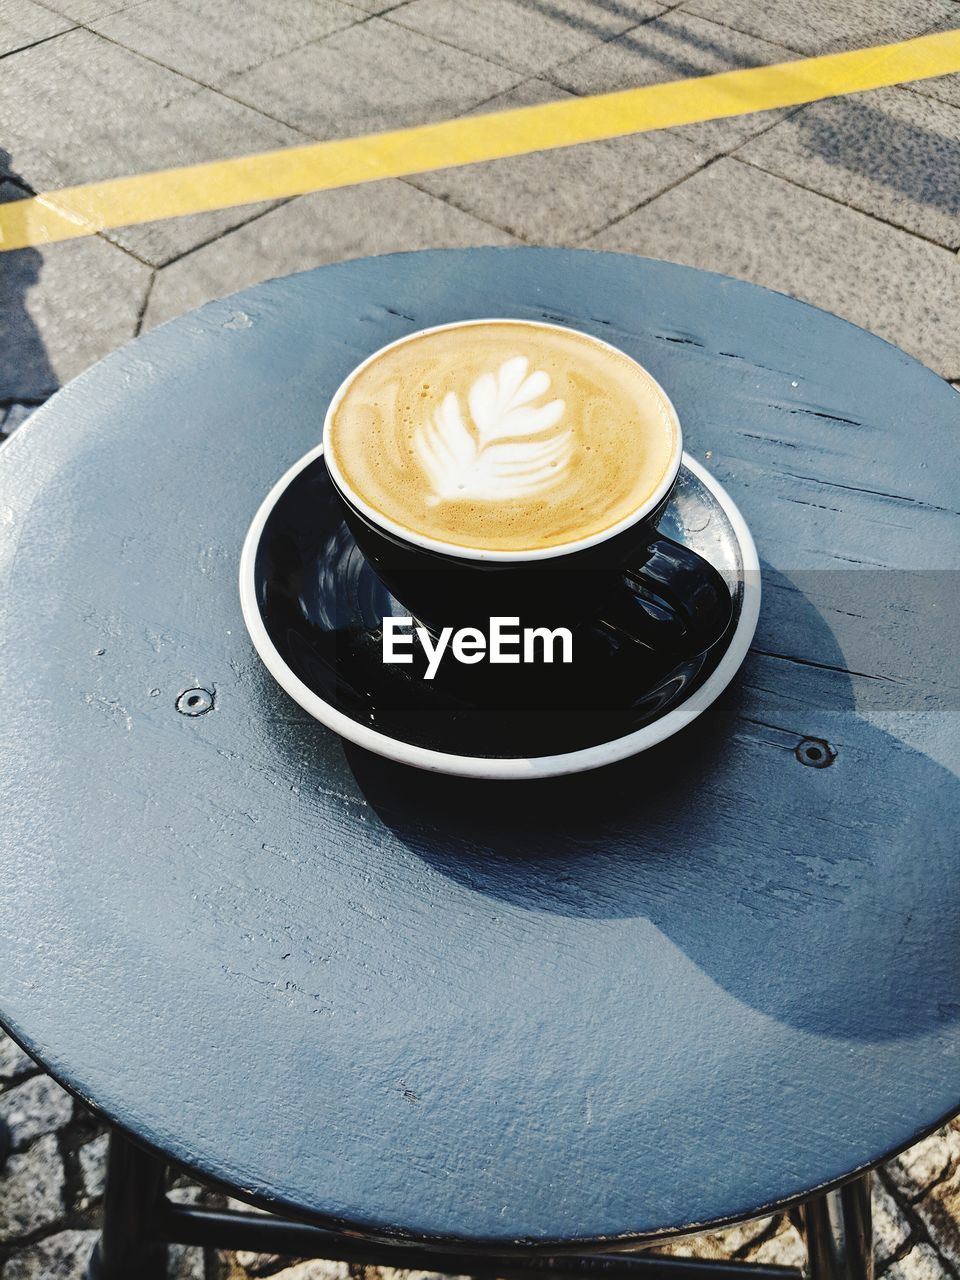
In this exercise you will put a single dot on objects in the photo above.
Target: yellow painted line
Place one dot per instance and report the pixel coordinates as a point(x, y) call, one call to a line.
point(269, 175)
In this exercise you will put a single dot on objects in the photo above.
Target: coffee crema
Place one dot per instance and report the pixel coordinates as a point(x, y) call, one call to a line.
point(503, 436)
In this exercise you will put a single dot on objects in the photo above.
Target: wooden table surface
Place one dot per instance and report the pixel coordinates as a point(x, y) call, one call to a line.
point(691, 986)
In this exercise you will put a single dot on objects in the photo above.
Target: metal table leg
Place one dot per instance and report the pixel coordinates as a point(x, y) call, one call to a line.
point(128, 1248)
point(839, 1233)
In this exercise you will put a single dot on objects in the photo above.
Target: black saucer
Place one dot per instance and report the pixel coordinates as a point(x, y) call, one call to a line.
point(314, 608)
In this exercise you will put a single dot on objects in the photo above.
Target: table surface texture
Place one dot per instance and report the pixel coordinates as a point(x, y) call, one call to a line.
point(674, 992)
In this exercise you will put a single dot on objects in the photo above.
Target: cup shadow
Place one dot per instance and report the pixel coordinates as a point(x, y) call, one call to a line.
point(818, 897)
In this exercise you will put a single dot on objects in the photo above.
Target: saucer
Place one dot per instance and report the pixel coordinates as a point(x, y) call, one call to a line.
point(314, 609)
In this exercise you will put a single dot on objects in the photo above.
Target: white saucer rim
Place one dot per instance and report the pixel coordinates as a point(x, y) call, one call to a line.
point(507, 768)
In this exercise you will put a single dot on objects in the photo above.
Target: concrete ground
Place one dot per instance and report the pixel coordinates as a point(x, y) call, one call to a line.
point(852, 204)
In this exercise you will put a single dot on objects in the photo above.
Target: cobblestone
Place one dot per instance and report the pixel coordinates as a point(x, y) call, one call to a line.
point(921, 1263)
point(31, 1189)
point(59, 1257)
point(13, 1061)
point(93, 1167)
point(891, 1228)
point(33, 1108)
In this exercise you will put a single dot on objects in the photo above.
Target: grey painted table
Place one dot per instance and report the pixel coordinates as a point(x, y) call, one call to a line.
point(703, 982)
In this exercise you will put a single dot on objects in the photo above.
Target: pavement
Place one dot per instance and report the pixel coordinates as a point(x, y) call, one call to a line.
point(851, 203)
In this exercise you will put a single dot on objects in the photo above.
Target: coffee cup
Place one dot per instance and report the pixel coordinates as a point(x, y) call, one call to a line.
point(510, 468)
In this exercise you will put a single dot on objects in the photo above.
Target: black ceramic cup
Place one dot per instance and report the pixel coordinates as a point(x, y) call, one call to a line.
point(630, 570)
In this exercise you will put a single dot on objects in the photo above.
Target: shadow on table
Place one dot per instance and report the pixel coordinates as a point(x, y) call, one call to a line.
point(26, 376)
point(774, 878)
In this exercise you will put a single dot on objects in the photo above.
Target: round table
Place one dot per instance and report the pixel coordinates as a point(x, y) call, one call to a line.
point(676, 992)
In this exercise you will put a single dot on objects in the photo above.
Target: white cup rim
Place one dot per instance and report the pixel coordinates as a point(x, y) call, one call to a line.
point(456, 550)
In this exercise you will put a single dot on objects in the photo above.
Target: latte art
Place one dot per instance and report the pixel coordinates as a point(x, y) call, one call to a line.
point(507, 454)
point(503, 436)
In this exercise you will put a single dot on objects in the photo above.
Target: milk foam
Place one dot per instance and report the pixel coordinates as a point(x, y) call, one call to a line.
point(508, 451)
point(503, 436)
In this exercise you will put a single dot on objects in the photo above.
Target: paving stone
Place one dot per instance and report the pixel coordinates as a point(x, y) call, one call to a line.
point(942, 88)
point(915, 1170)
point(890, 153)
point(316, 1270)
point(56, 139)
point(60, 1257)
point(185, 1263)
point(86, 10)
point(393, 1273)
point(738, 220)
point(212, 39)
point(558, 197)
point(675, 47)
point(376, 6)
point(817, 26)
point(921, 1263)
point(382, 217)
point(716, 1244)
point(783, 1249)
point(525, 37)
point(93, 1166)
point(23, 23)
point(373, 76)
point(63, 308)
point(938, 1208)
point(35, 1107)
point(257, 1264)
point(13, 1060)
point(31, 1189)
point(891, 1230)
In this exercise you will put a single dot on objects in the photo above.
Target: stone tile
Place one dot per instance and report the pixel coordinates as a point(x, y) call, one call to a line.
point(374, 7)
point(921, 1263)
point(56, 139)
point(93, 1166)
point(915, 1170)
point(210, 40)
point(316, 1270)
point(13, 1060)
point(738, 220)
point(938, 1204)
point(382, 217)
point(675, 47)
point(35, 1107)
point(785, 1248)
point(185, 1263)
point(525, 37)
point(86, 10)
point(60, 1257)
point(373, 76)
point(62, 309)
point(890, 153)
point(23, 23)
point(558, 197)
point(716, 1244)
point(31, 1189)
point(891, 1230)
point(817, 26)
point(941, 88)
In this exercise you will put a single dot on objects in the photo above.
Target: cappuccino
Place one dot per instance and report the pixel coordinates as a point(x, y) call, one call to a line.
point(503, 436)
